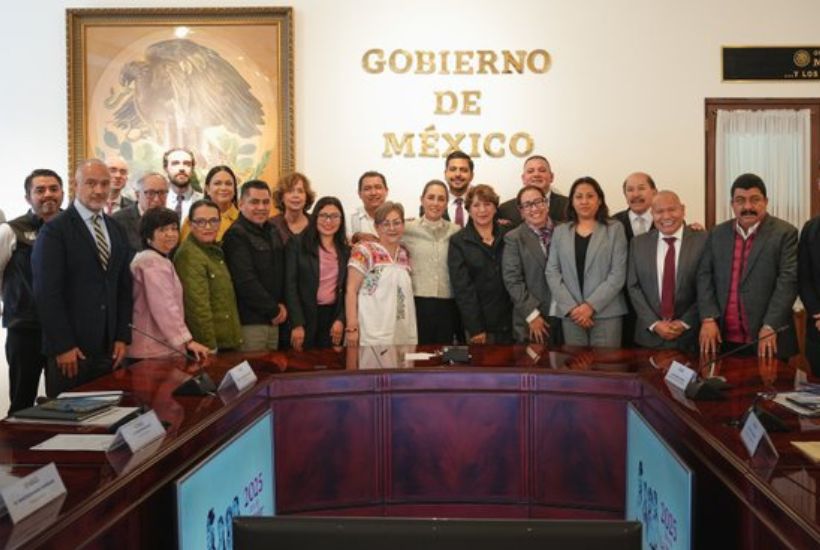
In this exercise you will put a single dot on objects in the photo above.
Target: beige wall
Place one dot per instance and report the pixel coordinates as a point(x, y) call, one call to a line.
point(625, 91)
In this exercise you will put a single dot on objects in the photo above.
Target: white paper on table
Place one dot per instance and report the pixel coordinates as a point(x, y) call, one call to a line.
point(76, 442)
point(418, 356)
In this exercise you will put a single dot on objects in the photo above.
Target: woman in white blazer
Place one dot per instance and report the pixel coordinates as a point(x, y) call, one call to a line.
point(586, 269)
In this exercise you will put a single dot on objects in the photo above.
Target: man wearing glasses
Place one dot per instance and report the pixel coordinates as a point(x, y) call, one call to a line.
point(152, 191)
point(747, 279)
point(525, 258)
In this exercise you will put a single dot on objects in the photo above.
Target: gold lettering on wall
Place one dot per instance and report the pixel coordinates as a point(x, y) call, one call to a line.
point(433, 143)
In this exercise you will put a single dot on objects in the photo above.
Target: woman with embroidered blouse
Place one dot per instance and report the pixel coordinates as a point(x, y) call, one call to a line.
point(379, 301)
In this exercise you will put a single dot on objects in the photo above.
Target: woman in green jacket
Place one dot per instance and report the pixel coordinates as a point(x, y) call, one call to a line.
point(208, 295)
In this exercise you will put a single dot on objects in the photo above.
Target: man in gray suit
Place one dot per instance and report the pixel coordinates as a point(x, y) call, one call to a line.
point(747, 281)
point(152, 191)
point(525, 258)
point(662, 278)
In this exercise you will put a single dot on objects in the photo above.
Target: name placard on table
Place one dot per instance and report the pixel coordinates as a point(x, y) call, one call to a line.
point(27, 495)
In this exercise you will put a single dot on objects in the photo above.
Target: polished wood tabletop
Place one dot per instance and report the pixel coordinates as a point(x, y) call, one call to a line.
point(527, 401)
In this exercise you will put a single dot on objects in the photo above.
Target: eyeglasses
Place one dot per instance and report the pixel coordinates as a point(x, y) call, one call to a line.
point(387, 224)
point(205, 222)
point(329, 217)
point(529, 205)
point(151, 194)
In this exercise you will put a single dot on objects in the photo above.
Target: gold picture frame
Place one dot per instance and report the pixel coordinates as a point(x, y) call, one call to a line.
point(217, 81)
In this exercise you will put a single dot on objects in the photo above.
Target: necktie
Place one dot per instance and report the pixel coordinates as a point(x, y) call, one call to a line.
point(640, 226)
point(102, 244)
point(109, 209)
point(459, 212)
point(668, 288)
point(545, 234)
point(178, 208)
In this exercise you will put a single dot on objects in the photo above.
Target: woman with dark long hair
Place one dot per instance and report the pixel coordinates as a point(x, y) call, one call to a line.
point(586, 269)
point(221, 189)
point(316, 269)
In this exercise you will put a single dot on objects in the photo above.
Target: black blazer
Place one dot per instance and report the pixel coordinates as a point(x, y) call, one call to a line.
point(558, 210)
point(256, 259)
point(79, 303)
point(302, 282)
point(808, 282)
point(129, 219)
point(478, 285)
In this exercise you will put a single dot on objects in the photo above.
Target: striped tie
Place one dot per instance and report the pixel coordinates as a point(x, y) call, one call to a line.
point(102, 244)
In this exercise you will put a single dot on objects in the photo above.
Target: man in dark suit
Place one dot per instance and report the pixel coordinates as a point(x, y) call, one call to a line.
point(523, 264)
point(24, 339)
point(808, 277)
point(747, 280)
point(662, 278)
point(117, 199)
point(152, 191)
point(537, 172)
point(459, 171)
point(82, 285)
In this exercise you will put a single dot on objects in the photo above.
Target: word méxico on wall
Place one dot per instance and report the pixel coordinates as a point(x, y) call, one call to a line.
point(433, 143)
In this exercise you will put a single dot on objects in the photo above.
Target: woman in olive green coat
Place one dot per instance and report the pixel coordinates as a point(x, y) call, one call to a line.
point(210, 303)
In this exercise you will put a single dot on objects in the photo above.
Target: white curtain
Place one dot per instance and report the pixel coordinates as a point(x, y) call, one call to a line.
point(775, 145)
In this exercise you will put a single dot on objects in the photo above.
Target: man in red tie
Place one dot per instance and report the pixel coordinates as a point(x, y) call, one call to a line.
point(662, 277)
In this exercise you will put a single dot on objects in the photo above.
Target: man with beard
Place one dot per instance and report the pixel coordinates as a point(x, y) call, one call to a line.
point(82, 285)
point(537, 172)
point(747, 279)
point(117, 198)
point(179, 165)
point(44, 193)
point(459, 172)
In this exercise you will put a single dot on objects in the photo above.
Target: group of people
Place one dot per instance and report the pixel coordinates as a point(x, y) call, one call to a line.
point(176, 271)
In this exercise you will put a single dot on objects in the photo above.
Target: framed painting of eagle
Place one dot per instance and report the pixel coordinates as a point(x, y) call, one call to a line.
point(216, 81)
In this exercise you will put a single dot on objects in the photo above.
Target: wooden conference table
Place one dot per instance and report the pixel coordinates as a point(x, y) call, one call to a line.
point(521, 431)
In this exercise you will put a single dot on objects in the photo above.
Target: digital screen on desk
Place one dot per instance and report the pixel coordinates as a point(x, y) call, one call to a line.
point(658, 487)
point(235, 480)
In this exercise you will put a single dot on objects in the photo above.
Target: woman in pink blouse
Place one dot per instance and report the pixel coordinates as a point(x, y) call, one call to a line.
point(316, 269)
point(158, 309)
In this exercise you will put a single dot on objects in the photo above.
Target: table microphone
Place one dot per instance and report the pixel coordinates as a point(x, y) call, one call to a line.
point(162, 342)
point(199, 384)
point(710, 387)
